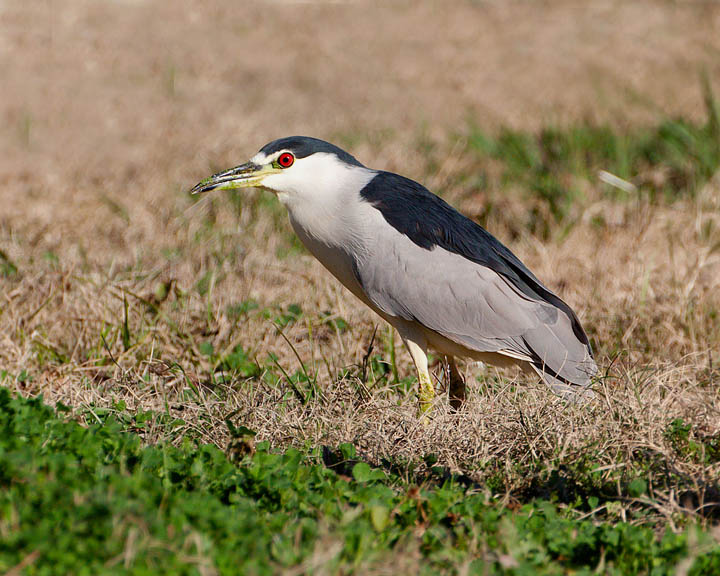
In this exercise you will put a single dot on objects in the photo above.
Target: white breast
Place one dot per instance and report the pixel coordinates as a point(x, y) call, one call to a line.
point(337, 260)
point(330, 218)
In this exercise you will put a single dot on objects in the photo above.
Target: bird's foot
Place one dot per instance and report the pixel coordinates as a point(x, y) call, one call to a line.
point(457, 394)
point(426, 395)
point(457, 389)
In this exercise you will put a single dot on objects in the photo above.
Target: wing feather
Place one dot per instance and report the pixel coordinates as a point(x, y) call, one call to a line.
point(462, 283)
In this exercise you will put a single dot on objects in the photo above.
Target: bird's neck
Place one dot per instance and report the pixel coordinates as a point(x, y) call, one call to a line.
point(330, 212)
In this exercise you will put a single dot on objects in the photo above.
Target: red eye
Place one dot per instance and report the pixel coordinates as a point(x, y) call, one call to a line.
point(286, 159)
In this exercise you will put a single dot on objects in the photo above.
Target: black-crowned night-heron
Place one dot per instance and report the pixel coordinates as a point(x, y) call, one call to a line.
point(438, 277)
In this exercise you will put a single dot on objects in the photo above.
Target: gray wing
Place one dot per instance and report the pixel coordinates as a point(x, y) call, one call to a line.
point(475, 306)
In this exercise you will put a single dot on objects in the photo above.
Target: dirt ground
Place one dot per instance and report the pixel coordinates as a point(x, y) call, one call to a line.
point(112, 110)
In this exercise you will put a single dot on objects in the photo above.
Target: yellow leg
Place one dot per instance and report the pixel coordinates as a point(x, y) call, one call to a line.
point(457, 385)
point(426, 392)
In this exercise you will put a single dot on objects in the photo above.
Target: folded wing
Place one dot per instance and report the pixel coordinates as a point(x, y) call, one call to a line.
point(435, 266)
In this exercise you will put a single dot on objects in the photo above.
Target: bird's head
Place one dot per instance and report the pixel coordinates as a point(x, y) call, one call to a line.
point(293, 167)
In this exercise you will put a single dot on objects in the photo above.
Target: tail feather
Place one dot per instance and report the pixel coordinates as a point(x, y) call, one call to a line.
point(564, 361)
point(579, 392)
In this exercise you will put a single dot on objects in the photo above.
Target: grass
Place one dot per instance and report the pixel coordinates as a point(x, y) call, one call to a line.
point(158, 328)
point(556, 166)
point(90, 499)
point(188, 337)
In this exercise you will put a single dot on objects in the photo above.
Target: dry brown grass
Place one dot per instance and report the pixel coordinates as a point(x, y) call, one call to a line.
point(647, 298)
point(120, 114)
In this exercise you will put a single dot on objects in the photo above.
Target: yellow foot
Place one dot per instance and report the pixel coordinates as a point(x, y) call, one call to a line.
point(426, 394)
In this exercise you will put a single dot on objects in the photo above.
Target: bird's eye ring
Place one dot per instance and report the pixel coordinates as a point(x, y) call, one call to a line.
point(286, 160)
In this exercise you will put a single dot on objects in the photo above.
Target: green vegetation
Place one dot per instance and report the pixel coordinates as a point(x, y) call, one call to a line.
point(556, 166)
point(91, 499)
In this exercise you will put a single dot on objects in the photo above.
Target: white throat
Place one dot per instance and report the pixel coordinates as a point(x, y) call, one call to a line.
point(319, 193)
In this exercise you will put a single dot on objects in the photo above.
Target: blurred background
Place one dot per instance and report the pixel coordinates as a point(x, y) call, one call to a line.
point(136, 99)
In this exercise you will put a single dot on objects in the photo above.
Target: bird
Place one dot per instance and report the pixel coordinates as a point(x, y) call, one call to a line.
point(439, 278)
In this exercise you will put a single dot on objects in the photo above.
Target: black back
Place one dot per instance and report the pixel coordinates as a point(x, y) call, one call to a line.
point(429, 221)
point(303, 146)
